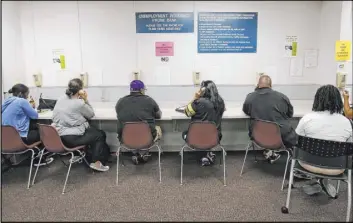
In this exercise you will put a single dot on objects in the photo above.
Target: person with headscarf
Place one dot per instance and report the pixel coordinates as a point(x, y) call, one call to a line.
point(17, 112)
point(70, 118)
point(137, 107)
point(207, 105)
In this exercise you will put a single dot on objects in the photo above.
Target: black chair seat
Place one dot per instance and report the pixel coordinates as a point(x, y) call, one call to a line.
point(342, 176)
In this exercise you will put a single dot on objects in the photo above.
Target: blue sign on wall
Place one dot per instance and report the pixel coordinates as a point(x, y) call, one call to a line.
point(164, 22)
point(227, 32)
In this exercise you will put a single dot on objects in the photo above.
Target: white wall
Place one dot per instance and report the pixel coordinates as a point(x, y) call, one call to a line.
point(346, 34)
point(100, 38)
point(330, 23)
point(12, 55)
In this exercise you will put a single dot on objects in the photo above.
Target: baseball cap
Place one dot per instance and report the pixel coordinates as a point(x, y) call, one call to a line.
point(137, 85)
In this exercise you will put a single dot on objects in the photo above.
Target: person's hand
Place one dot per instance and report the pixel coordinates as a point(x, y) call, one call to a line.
point(83, 95)
point(346, 94)
point(32, 102)
point(197, 95)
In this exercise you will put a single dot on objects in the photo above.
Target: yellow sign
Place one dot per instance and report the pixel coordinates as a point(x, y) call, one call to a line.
point(294, 49)
point(343, 50)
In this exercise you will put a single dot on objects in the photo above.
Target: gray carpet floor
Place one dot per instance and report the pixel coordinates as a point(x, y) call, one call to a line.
point(93, 196)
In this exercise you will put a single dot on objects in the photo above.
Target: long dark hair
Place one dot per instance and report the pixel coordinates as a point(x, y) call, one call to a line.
point(74, 86)
point(19, 90)
point(328, 98)
point(211, 92)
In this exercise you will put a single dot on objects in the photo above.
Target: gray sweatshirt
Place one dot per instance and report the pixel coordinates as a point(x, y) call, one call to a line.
point(70, 116)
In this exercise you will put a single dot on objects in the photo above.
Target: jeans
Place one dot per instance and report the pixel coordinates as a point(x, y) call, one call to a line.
point(95, 139)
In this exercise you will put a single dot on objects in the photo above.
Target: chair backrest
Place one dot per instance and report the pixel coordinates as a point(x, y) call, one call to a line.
point(136, 135)
point(202, 135)
point(324, 153)
point(11, 140)
point(266, 134)
point(50, 138)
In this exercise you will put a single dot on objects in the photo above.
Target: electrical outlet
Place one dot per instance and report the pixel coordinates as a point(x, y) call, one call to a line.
point(196, 75)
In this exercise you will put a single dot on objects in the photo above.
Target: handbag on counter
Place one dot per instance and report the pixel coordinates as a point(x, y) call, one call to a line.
point(46, 103)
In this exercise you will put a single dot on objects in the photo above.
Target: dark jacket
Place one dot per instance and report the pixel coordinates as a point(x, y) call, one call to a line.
point(270, 105)
point(137, 107)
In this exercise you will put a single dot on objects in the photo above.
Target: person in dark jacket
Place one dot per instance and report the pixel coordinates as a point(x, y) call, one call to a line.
point(136, 107)
point(270, 105)
point(207, 105)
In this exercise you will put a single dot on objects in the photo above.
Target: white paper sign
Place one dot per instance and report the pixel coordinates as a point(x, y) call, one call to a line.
point(296, 67)
point(288, 46)
point(310, 58)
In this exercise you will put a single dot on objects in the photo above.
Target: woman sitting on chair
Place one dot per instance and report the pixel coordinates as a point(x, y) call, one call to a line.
point(70, 118)
point(17, 112)
point(325, 122)
point(207, 105)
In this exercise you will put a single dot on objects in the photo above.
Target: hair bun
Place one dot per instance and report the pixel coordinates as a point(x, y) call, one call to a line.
point(10, 91)
point(68, 92)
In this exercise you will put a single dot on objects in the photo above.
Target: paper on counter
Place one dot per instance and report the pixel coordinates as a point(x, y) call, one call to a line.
point(161, 75)
point(296, 67)
point(310, 58)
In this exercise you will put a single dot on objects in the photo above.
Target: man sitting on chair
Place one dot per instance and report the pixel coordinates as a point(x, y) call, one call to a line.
point(270, 105)
point(137, 107)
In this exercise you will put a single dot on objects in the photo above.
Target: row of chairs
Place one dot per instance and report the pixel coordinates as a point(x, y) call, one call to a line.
point(201, 136)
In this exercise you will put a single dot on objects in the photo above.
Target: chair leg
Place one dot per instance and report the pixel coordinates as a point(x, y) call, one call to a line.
point(338, 186)
point(349, 206)
point(285, 170)
point(68, 171)
point(224, 167)
point(117, 166)
point(246, 154)
point(40, 159)
point(181, 165)
point(159, 164)
point(30, 169)
point(291, 176)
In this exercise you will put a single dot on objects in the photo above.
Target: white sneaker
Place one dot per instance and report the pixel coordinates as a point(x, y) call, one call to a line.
point(99, 166)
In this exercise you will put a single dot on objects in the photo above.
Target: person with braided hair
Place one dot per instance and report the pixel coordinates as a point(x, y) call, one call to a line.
point(325, 122)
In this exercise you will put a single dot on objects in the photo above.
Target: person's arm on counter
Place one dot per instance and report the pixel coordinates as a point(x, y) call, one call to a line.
point(86, 109)
point(156, 110)
point(247, 105)
point(348, 111)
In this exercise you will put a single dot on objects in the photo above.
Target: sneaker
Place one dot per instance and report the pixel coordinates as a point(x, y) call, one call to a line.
point(144, 158)
point(311, 189)
point(328, 188)
point(99, 166)
point(135, 159)
point(205, 162)
point(43, 162)
point(211, 156)
point(274, 157)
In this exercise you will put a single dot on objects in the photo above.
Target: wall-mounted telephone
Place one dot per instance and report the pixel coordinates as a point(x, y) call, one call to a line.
point(196, 76)
point(341, 80)
point(84, 79)
point(136, 75)
point(37, 80)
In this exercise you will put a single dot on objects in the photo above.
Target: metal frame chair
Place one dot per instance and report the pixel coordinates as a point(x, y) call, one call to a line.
point(52, 143)
point(323, 154)
point(202, 136)
point(267, 135)
point(137, 136)
point(12, 144)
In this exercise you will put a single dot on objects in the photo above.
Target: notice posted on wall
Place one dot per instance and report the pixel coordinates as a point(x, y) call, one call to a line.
point(343, 50)
point(164, 49)
point(164, 22)
point(290, 46)
point(59, 59)
point(227, 32)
